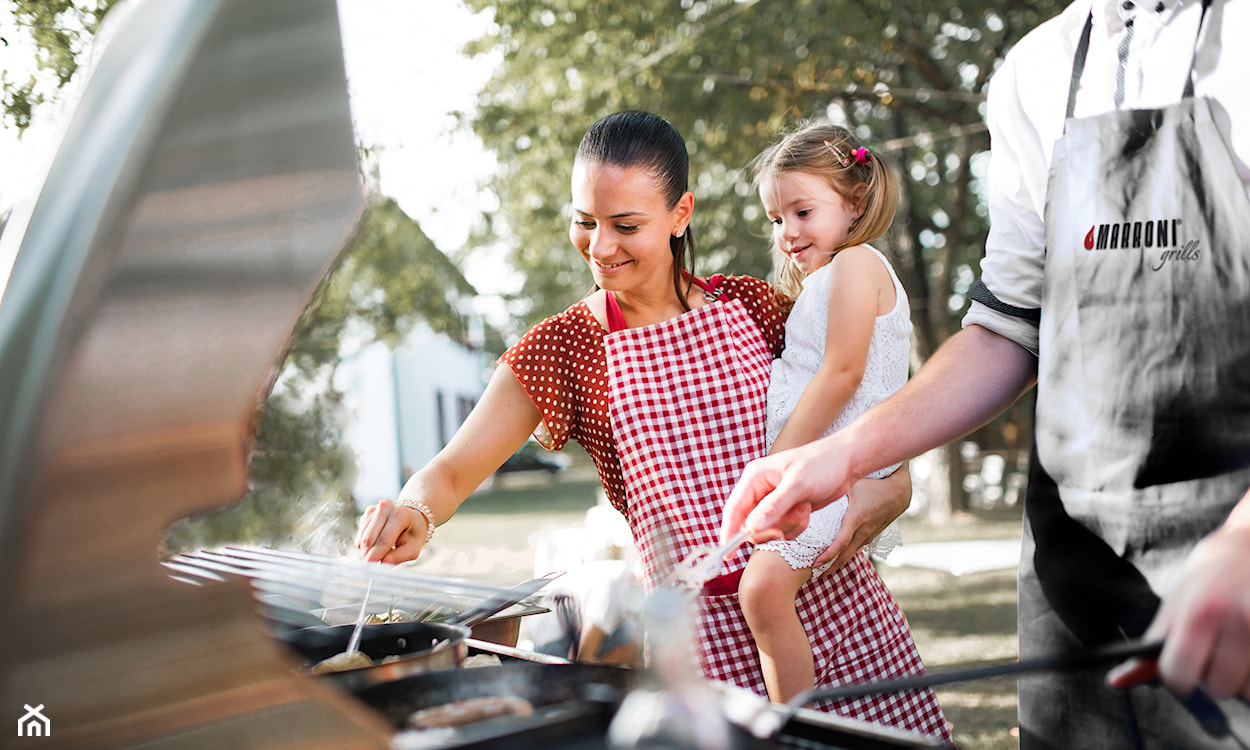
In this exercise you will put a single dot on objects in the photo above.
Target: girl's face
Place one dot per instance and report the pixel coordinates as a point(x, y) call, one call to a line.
point(622, 226)
point(810, 219)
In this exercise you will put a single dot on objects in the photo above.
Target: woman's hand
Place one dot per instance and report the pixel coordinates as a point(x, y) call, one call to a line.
point(390, 532)
point(874, 504)
point(1205, 621)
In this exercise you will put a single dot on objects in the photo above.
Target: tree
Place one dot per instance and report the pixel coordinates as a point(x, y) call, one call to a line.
point(390, 278)
point(908, 76)
point(61, 30)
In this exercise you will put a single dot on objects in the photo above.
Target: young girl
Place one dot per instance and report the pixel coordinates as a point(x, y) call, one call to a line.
point(847, 345)
point(661, 376)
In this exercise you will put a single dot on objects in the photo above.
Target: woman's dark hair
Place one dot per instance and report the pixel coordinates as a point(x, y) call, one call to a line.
point(641, 139)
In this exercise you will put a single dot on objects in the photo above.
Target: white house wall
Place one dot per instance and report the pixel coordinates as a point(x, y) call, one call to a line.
point(429, 369)
point(393, 397)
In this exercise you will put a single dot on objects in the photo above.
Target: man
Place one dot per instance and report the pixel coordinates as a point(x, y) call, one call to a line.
point(1116, 276)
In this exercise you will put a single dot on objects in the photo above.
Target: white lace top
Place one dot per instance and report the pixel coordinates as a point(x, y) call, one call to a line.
point(884, 373)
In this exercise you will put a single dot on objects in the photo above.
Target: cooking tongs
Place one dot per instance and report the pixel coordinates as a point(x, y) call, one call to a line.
point(766, 720)
point(1071, 661)
point(1199, 703)
point(504, 599)
point(704, 563)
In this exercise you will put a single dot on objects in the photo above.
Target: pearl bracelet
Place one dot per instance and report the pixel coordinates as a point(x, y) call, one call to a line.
point(425, 511)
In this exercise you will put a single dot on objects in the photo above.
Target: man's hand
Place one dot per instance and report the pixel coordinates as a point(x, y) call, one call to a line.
point(1205, 622)
point(776, 494)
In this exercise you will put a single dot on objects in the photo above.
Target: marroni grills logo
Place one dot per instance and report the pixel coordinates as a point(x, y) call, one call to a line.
point(1163, 234)
point(34, 723)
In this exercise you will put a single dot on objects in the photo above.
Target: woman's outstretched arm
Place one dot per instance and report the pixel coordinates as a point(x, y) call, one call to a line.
point(500, 424)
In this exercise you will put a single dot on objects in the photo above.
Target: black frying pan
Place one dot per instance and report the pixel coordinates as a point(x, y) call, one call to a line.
point(377, 641)
point(399, 649)
point(574, 704)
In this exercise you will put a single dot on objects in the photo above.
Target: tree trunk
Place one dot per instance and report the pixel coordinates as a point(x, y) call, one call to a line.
point(937, 487)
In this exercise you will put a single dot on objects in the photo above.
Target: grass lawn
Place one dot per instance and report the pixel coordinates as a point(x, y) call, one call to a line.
point(956, 620)
point(961, 621)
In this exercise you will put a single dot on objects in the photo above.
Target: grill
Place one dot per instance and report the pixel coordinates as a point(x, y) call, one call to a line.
point(200, 190)
point(296, 589)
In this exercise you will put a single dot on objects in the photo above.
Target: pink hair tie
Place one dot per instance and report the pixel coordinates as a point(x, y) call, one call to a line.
point(861, 155)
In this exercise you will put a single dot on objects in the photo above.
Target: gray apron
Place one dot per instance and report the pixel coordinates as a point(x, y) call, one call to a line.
point(1143, 407)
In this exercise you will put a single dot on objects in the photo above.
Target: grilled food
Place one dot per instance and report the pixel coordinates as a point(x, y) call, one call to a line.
point(459, 713)
point(341, 661)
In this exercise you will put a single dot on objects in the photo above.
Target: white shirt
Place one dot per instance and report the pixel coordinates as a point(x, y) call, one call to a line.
point(1027, 103)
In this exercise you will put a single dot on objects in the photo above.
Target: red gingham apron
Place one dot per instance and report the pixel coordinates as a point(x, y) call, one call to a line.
point(687, 411)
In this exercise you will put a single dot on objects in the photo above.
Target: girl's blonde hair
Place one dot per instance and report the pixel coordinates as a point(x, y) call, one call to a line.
point(833, 153)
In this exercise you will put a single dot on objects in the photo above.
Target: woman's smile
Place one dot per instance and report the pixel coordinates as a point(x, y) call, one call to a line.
point(611, 266)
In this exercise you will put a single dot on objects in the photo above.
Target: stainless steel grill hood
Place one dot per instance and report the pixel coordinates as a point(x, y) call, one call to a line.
point(202, 185)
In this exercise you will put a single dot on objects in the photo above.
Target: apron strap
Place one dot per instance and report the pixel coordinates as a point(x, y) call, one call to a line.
point(1082, 49)
point(709, 287)
point(616, 318)
point(1078, 65)
point(1189, 81)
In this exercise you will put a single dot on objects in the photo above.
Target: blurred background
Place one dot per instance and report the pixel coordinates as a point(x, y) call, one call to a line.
point(467, 116)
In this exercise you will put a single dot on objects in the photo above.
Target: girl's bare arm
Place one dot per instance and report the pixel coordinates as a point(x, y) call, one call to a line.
point(857, 284)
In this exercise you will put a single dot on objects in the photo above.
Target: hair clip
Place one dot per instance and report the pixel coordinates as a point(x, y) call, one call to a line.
point(843, 159)
point(861, 155)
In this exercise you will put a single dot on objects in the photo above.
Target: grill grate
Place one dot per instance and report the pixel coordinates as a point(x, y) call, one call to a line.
point(298, 589)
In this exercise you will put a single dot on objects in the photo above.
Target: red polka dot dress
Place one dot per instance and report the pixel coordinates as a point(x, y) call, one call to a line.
point(671, 413)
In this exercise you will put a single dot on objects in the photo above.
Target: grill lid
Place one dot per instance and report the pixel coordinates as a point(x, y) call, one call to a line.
point(203, 183)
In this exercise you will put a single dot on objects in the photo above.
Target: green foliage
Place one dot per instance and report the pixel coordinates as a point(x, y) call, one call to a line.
point(61, 31)
point(301, 484)
point(390, 278)
point(908, 76)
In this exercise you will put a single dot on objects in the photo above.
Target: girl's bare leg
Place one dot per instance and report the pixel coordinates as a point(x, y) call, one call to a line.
point(767, 594)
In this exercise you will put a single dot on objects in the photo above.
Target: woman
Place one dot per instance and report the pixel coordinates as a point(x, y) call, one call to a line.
point(662, 377)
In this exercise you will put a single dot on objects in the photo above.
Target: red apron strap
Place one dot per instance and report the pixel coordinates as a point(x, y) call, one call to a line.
point(709, 286)
point(616, 318)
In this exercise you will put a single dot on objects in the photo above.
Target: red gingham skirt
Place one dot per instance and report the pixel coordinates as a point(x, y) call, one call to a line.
point(687, 411)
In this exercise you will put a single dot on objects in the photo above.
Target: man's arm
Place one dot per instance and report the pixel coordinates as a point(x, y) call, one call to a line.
point(973, 377)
